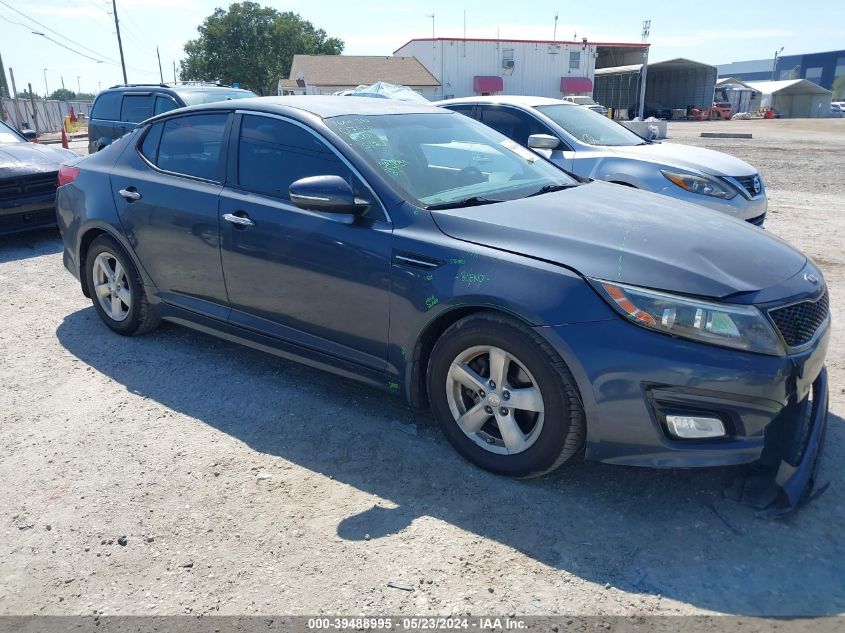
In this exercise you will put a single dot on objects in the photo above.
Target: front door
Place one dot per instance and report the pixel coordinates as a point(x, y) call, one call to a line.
point(297, 275)
point(167, 196)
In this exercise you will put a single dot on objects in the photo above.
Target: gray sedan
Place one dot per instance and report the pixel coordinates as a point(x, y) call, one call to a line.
point(590, 145)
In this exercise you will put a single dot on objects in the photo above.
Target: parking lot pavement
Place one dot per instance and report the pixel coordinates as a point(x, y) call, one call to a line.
point(245, 484)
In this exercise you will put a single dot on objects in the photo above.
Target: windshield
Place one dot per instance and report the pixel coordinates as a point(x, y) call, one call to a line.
point(441, 159)
point(590, 127)
point(7, 135)
point(197, 97)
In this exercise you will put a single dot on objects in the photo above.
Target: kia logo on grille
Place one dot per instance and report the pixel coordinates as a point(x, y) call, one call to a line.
point(757, 184)
point(811, 278)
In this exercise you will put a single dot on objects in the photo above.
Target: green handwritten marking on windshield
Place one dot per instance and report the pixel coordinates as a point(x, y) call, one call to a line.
point(393, 385)
point(431, 302)
point(457, 260)
point(393, 166)
point(472, 278)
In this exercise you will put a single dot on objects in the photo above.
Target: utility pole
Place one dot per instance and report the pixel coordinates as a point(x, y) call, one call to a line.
point(46, 89)
point(119, 42)
point(34, 109)
point(775, 63)
point(160, 74)
point(644, 70)
point(4, 89)
point(554, 33)
point(15, 98)
point(78, 85)
point(174, 70)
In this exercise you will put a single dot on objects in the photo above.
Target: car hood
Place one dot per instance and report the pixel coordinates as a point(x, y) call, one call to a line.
point(618, 233)
point(17, 159)
point(687, 157)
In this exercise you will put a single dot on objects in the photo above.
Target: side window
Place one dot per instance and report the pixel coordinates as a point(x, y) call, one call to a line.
point(107, 106)
point(191, 145)
point(466, 110)
point(164, 104)
point(512, 123)
point(272, 154)
point(149, 147)
point(136, 108)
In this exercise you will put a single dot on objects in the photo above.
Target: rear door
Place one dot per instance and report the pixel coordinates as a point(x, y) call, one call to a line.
point(104, 115)
point(166, 191)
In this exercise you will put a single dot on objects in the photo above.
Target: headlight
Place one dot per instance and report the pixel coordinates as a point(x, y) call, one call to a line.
point(728, 325)
point(704, 185)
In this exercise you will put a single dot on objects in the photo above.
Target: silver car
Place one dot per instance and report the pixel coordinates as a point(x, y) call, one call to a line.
point(590, 145)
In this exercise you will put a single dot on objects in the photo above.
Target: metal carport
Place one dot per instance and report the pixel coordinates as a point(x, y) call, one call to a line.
point(672, 84)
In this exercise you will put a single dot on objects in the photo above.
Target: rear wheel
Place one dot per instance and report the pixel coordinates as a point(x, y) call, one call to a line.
point(116, 288)
point(504, 399)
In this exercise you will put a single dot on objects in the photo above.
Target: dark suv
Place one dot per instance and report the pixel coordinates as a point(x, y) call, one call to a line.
point(119, 109)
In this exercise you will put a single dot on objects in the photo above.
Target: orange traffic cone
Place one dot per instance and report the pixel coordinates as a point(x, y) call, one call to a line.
point(64, 138)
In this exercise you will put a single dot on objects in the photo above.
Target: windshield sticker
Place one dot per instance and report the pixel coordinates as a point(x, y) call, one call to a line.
point(519, 150)
point(393, 167)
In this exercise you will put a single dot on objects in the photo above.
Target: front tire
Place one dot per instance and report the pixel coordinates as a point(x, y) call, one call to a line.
point(504, 398)
point(116, 289)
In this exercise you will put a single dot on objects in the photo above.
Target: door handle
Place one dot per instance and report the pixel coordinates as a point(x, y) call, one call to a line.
point(238, 220)
point(130, 195)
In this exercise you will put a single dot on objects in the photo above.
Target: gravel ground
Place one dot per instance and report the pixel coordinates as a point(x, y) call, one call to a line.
point(176, 473)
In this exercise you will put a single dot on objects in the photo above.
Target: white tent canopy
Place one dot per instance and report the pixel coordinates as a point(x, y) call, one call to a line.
point(794, 98)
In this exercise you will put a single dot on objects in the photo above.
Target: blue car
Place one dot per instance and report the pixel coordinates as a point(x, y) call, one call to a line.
point(541, 318)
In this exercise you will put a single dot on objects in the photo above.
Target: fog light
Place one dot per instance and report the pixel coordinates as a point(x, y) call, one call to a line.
point(693, 427)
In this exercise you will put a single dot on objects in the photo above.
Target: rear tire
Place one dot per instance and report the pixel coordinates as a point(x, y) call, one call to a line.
point(504, 398)
point(116, 289)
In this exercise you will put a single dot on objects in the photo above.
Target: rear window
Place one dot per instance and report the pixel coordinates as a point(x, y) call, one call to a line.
point(136, 108)
point(107, 106)
point(212, 95)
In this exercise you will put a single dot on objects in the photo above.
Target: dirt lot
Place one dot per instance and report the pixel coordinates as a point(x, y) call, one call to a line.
point(245, 484)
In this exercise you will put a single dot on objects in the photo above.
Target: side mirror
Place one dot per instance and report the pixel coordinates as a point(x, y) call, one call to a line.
point(30, 135)
point(543, 141)
point(328, 194)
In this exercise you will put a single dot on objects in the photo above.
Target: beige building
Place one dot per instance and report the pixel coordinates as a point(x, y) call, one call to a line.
point(327, 74)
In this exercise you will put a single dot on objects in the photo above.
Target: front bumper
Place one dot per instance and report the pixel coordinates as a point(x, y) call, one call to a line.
point(741, 207)
point(24, 214)
point(630, 377)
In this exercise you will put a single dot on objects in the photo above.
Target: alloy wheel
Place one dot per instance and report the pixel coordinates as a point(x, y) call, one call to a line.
point(495, 400)
point(111, 286)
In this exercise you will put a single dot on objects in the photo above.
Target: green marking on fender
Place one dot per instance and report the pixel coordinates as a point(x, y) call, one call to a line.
point(431, 302)
point(472, 278)
point(393, 385)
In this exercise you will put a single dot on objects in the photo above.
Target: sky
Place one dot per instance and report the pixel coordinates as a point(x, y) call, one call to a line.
point(734, 32)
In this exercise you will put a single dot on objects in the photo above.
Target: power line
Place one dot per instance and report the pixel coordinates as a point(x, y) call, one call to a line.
point(82, 46)
point(102, 59)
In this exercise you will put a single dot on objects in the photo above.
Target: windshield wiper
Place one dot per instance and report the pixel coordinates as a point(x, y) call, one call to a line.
point(549, 189)
point(472, 201)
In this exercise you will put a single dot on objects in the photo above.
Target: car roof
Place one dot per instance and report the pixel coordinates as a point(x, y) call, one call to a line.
point(325, 106)
point(518, 100)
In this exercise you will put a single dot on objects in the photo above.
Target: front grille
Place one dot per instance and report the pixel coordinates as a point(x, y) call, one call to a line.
point(24, 186)
point(747, 183)
point(799, 322)
point(23, 221)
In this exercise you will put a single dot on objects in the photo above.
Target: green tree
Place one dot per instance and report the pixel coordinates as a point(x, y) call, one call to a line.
point(84, 96)
point(63, 94)
point(839, 88)
point(252, 45)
